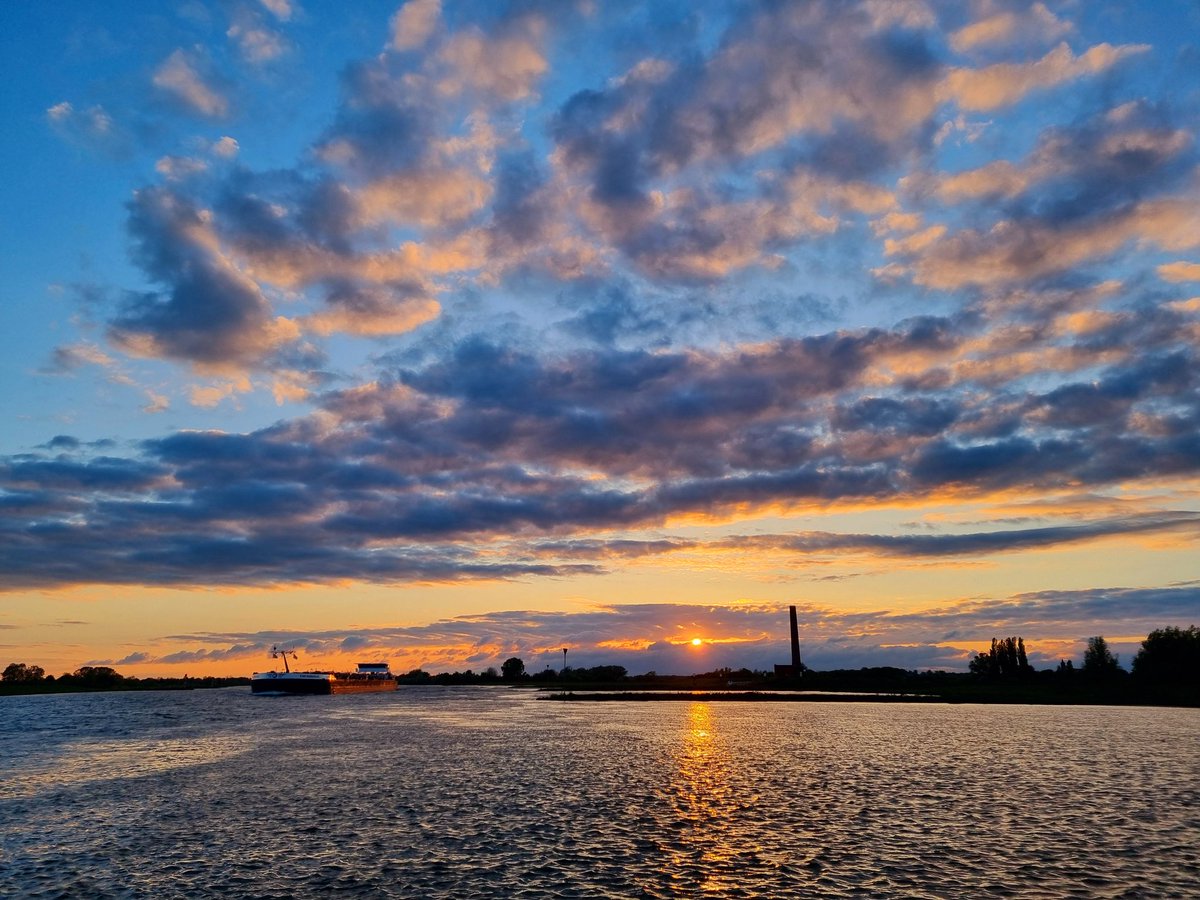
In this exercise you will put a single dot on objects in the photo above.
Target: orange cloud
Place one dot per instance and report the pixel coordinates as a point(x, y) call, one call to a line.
point(414, 23)
point(507, 66)
point(382, 318)
point(427, 198)
point(627, 644)
point(212, 394)
point(1004, 84)
point(1000, 178)
point(1038, 23)
point(1012, 251)
point(1179, 271)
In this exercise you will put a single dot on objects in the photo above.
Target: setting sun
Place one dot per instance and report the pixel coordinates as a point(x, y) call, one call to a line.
point(696, 642)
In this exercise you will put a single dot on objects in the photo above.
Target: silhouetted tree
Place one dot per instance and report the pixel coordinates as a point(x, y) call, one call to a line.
point(97, 676)
point(1066, 668)
point(466, 677)
point(1098, 660)
point(19, 673)
point(596, 674)
point(1005, 659)
point(606, 673)
point(513, 669)
point(1168, 656)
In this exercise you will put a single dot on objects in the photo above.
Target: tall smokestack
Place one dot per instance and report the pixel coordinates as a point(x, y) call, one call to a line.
point(796, 667)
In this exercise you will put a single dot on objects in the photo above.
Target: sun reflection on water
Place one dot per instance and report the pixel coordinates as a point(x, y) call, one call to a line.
point(702, 764)
point(712, 845)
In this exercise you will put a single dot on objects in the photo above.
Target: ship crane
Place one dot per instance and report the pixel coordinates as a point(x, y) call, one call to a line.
point(276, 653)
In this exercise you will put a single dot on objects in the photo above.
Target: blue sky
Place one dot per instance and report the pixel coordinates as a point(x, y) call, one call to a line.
point(618, 310)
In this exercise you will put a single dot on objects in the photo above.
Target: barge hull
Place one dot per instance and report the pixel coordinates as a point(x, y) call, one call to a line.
point(335, 685)
point(279, 686)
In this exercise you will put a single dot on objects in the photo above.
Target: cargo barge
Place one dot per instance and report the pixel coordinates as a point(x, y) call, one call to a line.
point(367, 678)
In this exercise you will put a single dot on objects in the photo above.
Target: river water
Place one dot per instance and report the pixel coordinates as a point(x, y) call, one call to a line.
point(477, 792)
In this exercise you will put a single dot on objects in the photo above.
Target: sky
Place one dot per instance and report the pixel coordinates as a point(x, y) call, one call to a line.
point(445, 332)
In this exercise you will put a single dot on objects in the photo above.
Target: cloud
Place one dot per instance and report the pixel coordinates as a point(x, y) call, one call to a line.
point(290, 386)
point(180, 78)
point(1090, 191)
point(969, 544)
point(1024, 250)
point(93, 128)
point(212, 315)
point(814, 544)
point(1003, 84)
point(690, 169)
point(370, 310)
point(132, 659)
point(102, 473)
point(71, 357)
point(1037, 23)
point(1103, 161)
point(507, 65)
point(68, 360)
point(60, 112)
point(644, 149)
point(156, 403)
point(381, 128)
point(257, 43)
point(414, 23)
point(429, 197)
point(280, 9)
point(799, 64)
point(418, 476)
point(225, 147)
point(212, 394)
point(1179, 271)
point(177, 168)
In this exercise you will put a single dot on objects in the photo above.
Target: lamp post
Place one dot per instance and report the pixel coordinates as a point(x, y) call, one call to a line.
point(564, 660)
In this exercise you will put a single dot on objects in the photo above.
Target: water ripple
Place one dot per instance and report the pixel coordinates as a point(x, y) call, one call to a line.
point(468, 793)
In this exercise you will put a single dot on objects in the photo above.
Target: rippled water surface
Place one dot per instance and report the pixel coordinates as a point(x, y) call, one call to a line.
point(445, 792)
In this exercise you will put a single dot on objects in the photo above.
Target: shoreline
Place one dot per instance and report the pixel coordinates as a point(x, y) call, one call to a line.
point(747, 696)
point(1184, 697)
point(135, 685)
point(984, 699)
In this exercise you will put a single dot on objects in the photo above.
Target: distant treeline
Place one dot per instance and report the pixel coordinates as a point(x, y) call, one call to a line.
point(19, 678)
point(1165, 670)
point(513, 672)
point(1168, 656)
